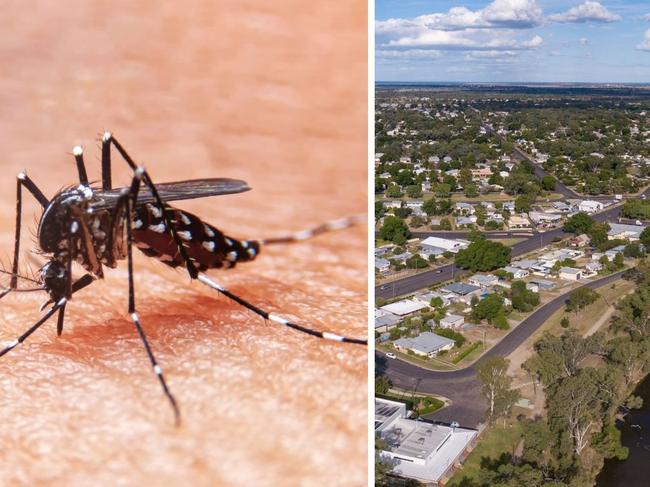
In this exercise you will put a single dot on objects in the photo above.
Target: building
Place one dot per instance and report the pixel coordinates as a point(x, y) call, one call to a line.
point(452, 321)
point(420, 450)
point(382, 265)
point(428, 296)
point(537, 285)
point(427, 251)
point(516, 272)
point(483, 280)
point(426, 344)
point(385, 320)
point(447, 244)
point(540, 218)
point(460, 291)
point(625, 232)
point(590, 206)
point(404, 307)
point(462, 221)
point(464, 209)
point(570, 274)
point(517, 221)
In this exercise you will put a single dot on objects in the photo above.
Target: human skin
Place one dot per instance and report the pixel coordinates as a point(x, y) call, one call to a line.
point(273, 93)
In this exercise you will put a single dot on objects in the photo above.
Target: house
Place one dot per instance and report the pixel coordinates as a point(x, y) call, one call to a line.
point(452, 321)
point(570, 273)
point(420, 450)
point(543, 218)
point(447, 244)
point(537, 285)
point(414, 204)
point(404, 307)
point(562, 207)
point(483, 280)
point(517, 221)
point(590, 206)
point(384, 320)
point(466, 220)
point(625, 232)
point(611, 253)
point(464, 209)
point(426, 298)
point(460, 291)
point(427, 251)
point(525, 264)
point(580, 240)
point(426, 344)
point(482, 173)
point(392, 204)
point(594, 266)
point(516, 272)
point(382, 265)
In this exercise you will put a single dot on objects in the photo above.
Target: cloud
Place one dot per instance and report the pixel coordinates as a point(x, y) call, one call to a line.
point(512, 14)
point(645, 45)
point(468, 40)
point(584, 41)
point(411, 54)
point(589, 11)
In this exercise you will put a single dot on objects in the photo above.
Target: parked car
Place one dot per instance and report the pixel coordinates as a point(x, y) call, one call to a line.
point(638, 222)
point(391, 355)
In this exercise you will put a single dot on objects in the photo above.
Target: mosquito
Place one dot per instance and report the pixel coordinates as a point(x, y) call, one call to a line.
point(98, 226)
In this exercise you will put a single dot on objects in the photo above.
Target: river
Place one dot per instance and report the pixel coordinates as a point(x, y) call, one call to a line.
point(636, 436)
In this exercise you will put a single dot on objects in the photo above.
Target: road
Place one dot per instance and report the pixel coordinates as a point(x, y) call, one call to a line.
point(462, 386)
point(448, 272)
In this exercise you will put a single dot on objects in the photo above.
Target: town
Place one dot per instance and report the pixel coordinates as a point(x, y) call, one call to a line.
point(504, 224)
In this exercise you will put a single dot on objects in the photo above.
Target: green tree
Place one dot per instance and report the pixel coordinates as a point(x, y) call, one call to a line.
point(488, 308)
point(395, 230)
point(483, 255)
point(382, 384)
point(581, 298)
point(495, 386)
point(579, 223)
point(548, 183)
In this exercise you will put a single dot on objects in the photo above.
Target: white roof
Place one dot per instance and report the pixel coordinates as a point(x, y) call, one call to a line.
point(445, 243)
point(404, 307)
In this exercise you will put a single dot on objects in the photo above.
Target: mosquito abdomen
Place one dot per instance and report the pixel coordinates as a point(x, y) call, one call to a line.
point(205, 245)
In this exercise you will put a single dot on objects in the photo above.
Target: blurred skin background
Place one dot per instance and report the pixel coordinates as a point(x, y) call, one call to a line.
point(274, 93)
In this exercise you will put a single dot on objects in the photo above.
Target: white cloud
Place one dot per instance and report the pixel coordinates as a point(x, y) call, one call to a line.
point(589, 11)
point(466, 40)
point(584, 41)
point(645, 45)
point(412, 54)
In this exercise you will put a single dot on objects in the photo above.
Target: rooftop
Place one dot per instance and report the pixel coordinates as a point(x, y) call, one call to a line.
point(460, 288)
point(426, 342)
point(404, 307)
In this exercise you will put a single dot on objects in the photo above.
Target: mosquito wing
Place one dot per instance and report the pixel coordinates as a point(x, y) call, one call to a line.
point(179, 190)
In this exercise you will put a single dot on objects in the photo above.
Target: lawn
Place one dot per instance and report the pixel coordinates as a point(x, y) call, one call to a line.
point(493, 443)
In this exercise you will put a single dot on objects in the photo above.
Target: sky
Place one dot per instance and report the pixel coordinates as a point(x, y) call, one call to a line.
point(591, 41)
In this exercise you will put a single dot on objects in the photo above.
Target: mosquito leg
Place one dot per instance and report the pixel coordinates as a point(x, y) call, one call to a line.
point(146, 179)
point(106, 161)
point(78, 153)
point(34, 327)
point(276, 318)
point(128, 199)
point(312, 232)
point(22, 180)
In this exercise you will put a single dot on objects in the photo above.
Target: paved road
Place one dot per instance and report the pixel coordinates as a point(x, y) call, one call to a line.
point(448, 272)
point(462, 386)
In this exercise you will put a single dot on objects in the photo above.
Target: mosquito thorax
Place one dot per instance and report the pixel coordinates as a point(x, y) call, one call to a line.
point(55, 221)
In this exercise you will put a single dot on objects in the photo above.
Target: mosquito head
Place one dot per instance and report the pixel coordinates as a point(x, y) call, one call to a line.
point(54, 277)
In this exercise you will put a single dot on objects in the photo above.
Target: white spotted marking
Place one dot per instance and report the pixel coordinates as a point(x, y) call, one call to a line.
point(139, 172)
point(209, 246)
point(338, 224)
point(135, 317)
point(251, 252)
point(209, 282)
point(160, 228)
point(95, 223)
point(137, 224)
point(304, 235)
point(208, 231)
point(244, 244)
point(22, 176)
point(157, 369)
point(278, 319)
point(102, 248)
point(106, 136)
point(184, 219)
point(228, 241)
point(11, 345)
point(155, 211)
point(332, 336)
point(232, 256)
point(77, 150)
point(87, 192)
point(74, 227)
point(185, 235)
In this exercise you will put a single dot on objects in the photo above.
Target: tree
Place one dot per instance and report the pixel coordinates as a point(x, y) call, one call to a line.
point(416, 262)
point(581, 298)
point(548, 183)
point(471, 191)
point(488, 308)
point(395, 230)
point(598, 234)
point(495, 386)
point(579, 223)
point(645, 238)
point(523, 299)
point(523, 203)
point(483, 255)
point(445, 224)
point(414, 191)
point(382, 384)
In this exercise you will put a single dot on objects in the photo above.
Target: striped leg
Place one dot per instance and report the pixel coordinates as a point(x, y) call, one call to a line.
point(276, 318)
point(312, 232)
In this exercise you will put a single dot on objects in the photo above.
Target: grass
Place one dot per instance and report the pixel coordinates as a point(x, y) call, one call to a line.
point(586, 318)
point(473, 348)
point(411, 401)
point(507, 241)
point(494, 442)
